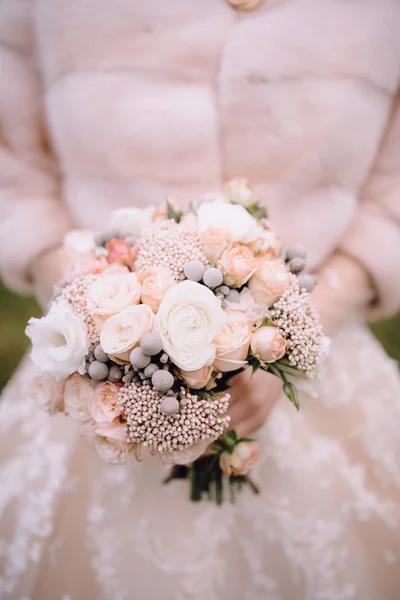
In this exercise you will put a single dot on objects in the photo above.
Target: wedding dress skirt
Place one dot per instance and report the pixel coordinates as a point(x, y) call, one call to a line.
point(326, 525)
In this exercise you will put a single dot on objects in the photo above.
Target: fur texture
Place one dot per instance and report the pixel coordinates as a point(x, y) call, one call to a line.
point(138, 99)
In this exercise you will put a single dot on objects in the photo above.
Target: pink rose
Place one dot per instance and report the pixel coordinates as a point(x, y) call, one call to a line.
point(121, 252)
point(88, 264)
point(215, 241)
point(103, 405)
point(238, 265)
point(78, 394)
point(155, 282)
point(47, 392)
point(242, 458)
point(109, 441)
point(269, 282)
point(197, 379)
point(232, 342)
point(268, 344)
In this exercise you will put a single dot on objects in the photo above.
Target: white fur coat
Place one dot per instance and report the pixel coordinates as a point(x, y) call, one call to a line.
point(112, 103)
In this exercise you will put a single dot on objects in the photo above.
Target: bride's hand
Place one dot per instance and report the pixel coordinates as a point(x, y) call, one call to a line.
point(252, 398)
point(46, 270)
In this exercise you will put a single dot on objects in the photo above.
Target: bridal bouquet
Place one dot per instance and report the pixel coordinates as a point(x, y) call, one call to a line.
point(156, 315)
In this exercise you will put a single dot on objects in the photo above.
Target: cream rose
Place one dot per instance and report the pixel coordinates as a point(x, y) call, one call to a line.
point(232, 342)
point(238, 265)
point(188, 319)
point(59, 341)
point(132, 221)
point(197, 379)
point(103, 405)
point(47, 392)
point(123, 332)
point(215, 241)
point(238, 191)
point(110, 294)
point(242, 458)
point(268, 344)
point(78, 395)
point(155, 282)
point(269, 282)
point(232, 218)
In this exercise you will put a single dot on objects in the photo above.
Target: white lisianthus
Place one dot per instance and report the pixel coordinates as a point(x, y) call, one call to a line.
point(59, 341)
point(188, 319)
point(232, 218)
point(111, 294)
point(80, 241)
point(247, 304)
point(123, 332)
point(131, 220)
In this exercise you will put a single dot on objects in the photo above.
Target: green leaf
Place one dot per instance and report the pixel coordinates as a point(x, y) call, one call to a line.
point(291, 392)
point(219, 486)
point(191, 208)
point(172, 214)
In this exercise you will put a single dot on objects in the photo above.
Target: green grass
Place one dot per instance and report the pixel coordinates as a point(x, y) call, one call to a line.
point(16, 310)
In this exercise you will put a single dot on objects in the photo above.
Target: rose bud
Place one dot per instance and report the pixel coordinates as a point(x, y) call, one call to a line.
point(268, 344)
point(242, 458)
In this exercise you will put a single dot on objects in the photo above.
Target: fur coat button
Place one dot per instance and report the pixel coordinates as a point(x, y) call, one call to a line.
point(244, 4)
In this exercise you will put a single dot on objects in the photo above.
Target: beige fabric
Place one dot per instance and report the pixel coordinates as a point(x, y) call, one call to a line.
point(141, 99)
point(326, 525)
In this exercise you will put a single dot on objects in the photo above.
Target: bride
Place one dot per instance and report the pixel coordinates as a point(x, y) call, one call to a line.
point(106, 104)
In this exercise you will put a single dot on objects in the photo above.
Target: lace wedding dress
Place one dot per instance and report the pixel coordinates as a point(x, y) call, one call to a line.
point(325, 527)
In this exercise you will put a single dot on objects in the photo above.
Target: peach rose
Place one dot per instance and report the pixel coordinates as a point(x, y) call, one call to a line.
point(199, 378)
point(267, 243)
point(89, 264)
point(47, 392)
point(242, 458)
point(78, 394)
point(110, 294)
point(123, 332)
point(268, 344)
point(215, 241)
point(238, 191)
point(103, 405)
point(269, 282)
point(238, 265)
point(121, 252)
point(232, 342)
point(155, 282)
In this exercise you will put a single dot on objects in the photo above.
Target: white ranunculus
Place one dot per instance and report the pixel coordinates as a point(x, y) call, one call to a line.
point(80, 241)
point(123, 332)
point(233, 218)
point(59, 341)
point(131, 220)
point(110, 294)
point(188, 319)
